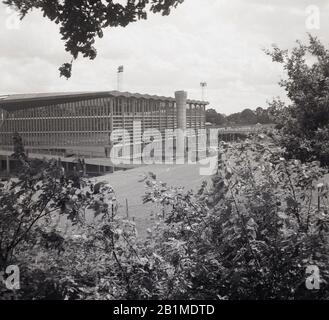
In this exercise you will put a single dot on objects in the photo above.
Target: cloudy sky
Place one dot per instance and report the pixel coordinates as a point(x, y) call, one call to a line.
point(217, 41)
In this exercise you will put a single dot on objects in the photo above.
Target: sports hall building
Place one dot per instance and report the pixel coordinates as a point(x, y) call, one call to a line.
point(82, 123)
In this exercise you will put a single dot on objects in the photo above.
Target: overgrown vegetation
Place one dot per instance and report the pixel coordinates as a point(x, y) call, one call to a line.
point(304, 123)
point(251, 235)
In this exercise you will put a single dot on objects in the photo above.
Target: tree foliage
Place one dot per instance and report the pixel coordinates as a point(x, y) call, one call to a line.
point(214, 117)
point(245, 117)
point(251, 236)
point(305, 122)
point(82, 21)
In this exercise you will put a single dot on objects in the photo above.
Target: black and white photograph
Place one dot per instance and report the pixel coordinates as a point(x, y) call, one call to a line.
point(164, 156)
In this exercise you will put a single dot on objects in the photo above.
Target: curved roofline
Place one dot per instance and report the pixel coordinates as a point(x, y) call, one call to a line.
point(22, 101)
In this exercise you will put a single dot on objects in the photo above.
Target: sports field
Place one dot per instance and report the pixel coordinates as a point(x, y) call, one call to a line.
point(128, 187)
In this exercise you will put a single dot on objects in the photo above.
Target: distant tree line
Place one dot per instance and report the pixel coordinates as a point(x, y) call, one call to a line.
point(245, 117)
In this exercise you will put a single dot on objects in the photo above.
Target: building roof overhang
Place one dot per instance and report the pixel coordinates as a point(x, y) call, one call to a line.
point(16, 102)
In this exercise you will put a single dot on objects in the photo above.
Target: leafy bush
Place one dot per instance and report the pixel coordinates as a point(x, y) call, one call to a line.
point(305, 122)
point(32, 204)
point(251, 236)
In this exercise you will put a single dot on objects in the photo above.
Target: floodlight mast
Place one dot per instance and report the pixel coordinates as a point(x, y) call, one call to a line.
point(120, 78)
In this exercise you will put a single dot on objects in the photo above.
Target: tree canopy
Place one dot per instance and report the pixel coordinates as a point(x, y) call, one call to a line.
point(82, 21)
point(305, 122)
point(307, 83)
point(214, 117)
point(245, 117)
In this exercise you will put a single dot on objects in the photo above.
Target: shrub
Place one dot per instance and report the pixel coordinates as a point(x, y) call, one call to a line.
point(305, 121)
point(251, 236)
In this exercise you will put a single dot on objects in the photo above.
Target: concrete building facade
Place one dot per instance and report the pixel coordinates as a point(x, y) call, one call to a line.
point(83, 122)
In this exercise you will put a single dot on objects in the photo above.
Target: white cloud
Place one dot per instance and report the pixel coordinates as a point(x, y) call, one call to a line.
point(218, 41)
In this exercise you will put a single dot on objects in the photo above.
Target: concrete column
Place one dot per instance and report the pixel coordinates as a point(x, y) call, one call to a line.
point(181, 105)
point(8, 164)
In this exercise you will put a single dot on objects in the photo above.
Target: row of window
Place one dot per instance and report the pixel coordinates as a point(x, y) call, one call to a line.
point(57, 124)
point(58, 139)
point(82, 124)
point(101, 107)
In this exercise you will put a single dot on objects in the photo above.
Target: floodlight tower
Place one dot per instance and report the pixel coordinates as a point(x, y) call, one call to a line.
point(120, 78)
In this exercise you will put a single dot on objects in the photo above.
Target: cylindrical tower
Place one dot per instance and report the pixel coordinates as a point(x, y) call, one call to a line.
point(181, 99)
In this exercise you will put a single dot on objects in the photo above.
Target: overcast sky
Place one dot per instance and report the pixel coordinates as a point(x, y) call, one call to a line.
point(217, 41)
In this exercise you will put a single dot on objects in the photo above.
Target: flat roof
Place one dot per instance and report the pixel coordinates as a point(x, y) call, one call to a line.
point(32, 100)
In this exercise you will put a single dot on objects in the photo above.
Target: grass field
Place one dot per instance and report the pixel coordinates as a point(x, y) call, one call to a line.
point(128, 187)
